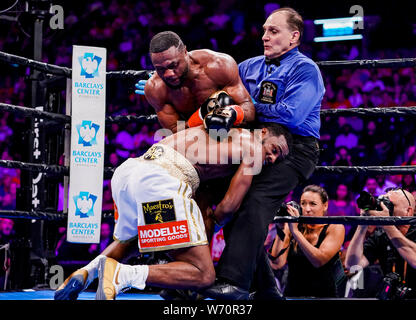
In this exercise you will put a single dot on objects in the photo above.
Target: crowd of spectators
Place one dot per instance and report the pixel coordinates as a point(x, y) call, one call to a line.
point(125, 27)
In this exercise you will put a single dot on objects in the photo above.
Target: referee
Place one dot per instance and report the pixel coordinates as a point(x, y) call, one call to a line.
point(287, 88)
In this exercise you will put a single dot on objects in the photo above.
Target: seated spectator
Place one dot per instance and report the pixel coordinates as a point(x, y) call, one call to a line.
point(356, 97)
point(395, 179)
point(358, 78)
point(346, 138)
point(218, 21)
point(329, 91)
point(5, 130)
point(410, 157)
point(326, 104)
point(113, 130)
point(373, 83)
point(9, 202)
point(343, 205)
point(405, 100)
point(383, 183)
point(8, 193)
point(342, 157)
point(311, 252)
point(373, 144)
point(8, 173)
point(371, 186)
point(367, 102)
point(342, 80)
point(408, 182)
point(387, 100)
point(124, 141)
point(114, 160)
point(376, 97)
point(144, 135)
point(6, 230)
point(341, 102)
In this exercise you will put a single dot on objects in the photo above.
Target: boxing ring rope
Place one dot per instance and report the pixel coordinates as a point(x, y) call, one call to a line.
point(369, 64)
point(64, 170)
point(65, 71)
point(31, 112)
point(144, 74)
point(336, 64)
point(377, 111)
point(350, 220)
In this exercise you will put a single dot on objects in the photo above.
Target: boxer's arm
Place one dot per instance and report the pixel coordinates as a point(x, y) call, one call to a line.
point(167, 115)
point(240, 183)
point(226, 74)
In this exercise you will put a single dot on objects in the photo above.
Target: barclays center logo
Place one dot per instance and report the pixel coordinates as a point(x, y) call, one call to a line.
point(84, 203)
point(87, 133)
point(89, 65)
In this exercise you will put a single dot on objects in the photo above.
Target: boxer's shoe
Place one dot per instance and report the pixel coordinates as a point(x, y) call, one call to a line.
point(114, 276)
point(72, 286)
point(108, 283)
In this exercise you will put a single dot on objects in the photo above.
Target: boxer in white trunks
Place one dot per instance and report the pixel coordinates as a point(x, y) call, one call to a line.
point(154, 206)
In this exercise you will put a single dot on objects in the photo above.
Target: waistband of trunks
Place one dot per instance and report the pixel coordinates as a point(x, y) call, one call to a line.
point(172, 161)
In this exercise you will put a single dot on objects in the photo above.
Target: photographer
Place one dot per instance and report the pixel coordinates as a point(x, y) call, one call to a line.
point(393, 246)
point(311, 252)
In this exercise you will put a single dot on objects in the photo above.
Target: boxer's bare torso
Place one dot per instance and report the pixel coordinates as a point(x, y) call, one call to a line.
point(214, 159)
point(206, 72)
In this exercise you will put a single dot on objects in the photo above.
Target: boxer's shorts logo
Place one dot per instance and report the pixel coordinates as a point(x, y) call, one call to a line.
point(87, 132)
point(84, 203)
point(89, 63)
point(153, 153)
point(159, 211)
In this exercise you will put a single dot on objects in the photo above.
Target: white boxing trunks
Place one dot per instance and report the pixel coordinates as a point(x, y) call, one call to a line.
point(153, 201)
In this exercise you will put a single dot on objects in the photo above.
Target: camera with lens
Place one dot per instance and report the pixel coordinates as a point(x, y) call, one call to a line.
point(368, 202)
point(392, 288)
point(282, 212)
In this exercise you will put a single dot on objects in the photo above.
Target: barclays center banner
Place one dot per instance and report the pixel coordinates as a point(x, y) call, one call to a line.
point(87, 144)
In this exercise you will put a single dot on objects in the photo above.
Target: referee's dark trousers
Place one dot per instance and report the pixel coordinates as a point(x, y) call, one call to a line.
point(245, 234)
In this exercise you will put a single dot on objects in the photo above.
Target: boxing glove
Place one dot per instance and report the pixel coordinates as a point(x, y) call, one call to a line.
point(216, 100)
point(224, 118)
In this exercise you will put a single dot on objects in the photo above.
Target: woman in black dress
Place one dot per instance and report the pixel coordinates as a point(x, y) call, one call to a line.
point(311, 252)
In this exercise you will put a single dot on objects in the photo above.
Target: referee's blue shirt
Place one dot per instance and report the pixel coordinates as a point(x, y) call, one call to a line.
point(289, 94)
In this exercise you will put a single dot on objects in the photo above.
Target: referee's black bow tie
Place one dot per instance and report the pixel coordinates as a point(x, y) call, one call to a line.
point(274, 61)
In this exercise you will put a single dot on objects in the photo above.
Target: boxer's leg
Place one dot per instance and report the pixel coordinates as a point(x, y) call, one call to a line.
point(192, 269)
point(82, 278)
